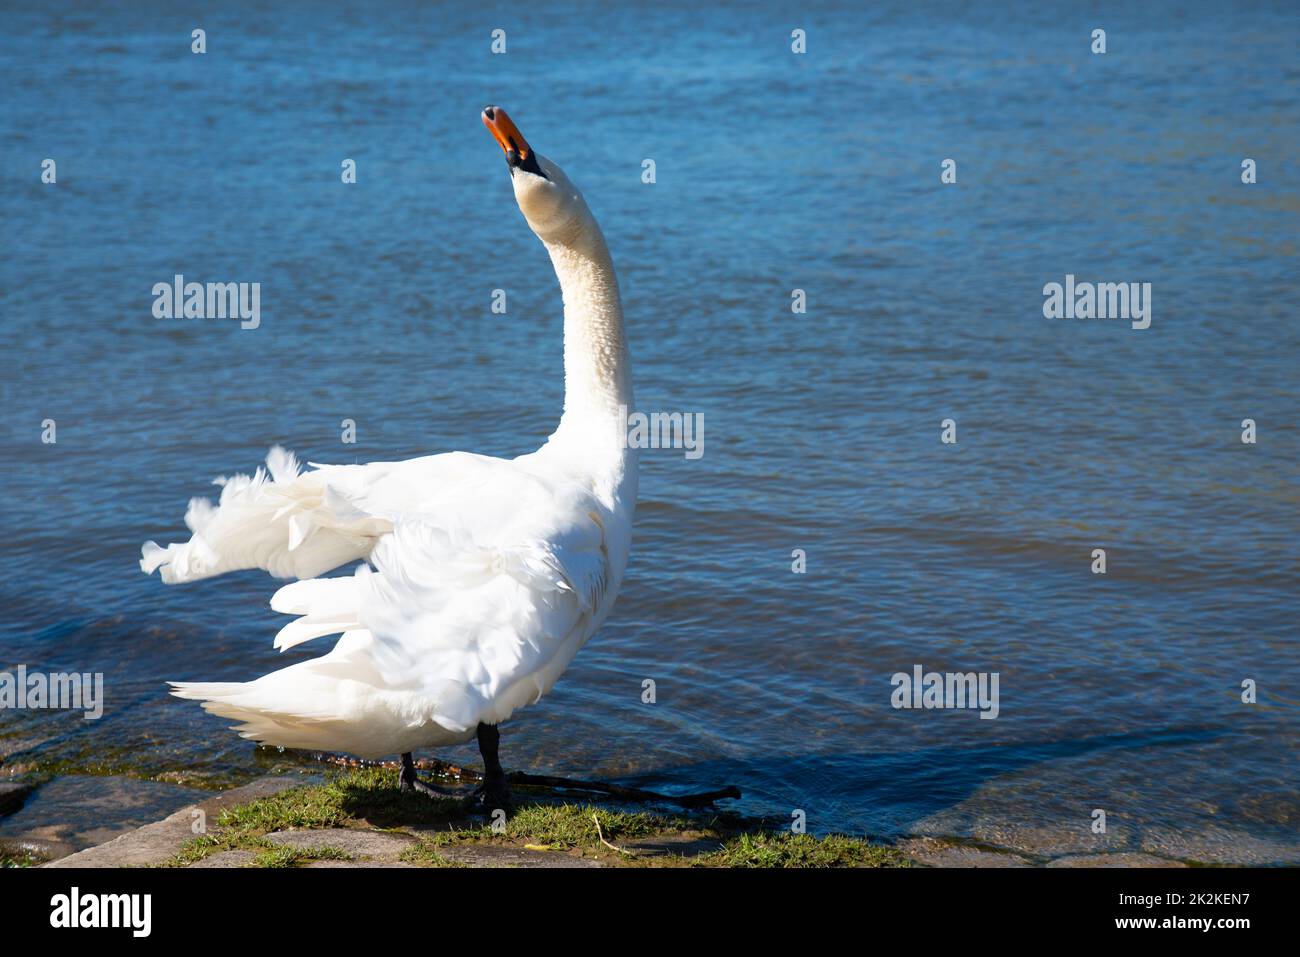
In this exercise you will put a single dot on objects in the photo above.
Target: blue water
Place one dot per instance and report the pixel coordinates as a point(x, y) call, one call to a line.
point(775, 171)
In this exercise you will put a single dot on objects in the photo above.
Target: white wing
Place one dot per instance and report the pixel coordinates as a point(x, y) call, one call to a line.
point(487, 577)
point(297, 524)
point(290, 523)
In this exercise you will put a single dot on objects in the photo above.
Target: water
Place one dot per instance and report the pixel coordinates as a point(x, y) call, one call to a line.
point(774, 171)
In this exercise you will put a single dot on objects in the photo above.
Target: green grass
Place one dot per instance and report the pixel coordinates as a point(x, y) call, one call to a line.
point(269, 854)
point(562, 827)
point(784, 849)
point(370, 797)
point(349, 798)
point(293, 856)
point(425, 854)
point(198, 848)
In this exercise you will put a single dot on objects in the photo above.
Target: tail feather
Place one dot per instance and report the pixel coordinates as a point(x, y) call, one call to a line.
point(241, 702)
point(334, 703)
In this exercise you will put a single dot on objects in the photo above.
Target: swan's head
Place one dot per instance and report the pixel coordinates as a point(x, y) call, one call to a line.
point(552, 205)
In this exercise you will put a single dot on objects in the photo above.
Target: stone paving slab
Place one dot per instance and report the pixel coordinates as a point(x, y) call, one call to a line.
point(670, 845)
point(499, 855)
point(234, 858)
point(355, 842)
point(359, 864)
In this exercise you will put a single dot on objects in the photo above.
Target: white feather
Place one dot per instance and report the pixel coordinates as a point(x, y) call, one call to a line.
point(484, 576)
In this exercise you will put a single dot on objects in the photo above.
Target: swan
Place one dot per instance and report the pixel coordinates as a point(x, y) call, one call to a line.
point(481, 577)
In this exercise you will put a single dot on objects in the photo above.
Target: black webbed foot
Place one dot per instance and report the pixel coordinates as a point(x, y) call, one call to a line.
point(411, 783)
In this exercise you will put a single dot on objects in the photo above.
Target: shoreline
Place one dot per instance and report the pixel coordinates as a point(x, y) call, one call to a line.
point(356, 817)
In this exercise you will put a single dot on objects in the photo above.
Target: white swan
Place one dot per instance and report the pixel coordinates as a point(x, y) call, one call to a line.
point(485, 576)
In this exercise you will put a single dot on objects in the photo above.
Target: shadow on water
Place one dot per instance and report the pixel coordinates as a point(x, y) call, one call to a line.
point(889, 794)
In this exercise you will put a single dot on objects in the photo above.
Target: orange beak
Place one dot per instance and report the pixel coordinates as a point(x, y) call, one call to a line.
point(519, 155)
point(505, 132)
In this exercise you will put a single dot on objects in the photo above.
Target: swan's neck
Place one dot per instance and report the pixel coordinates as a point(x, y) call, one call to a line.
point(597, 368)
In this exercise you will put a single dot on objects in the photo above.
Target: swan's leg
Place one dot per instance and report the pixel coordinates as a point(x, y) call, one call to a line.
point(412, 783)
point(494, 792)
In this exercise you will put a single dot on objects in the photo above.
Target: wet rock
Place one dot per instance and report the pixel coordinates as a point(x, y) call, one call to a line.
point(1053, 840)
point(159, 842)
point(33, 849)
point(936, 853)
point(12, 796)
point(74, 808)
point(1121, 859)
point(1220, 845)
point(17, 744)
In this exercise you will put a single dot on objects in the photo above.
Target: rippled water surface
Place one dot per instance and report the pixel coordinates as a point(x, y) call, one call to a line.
point(775, 171)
